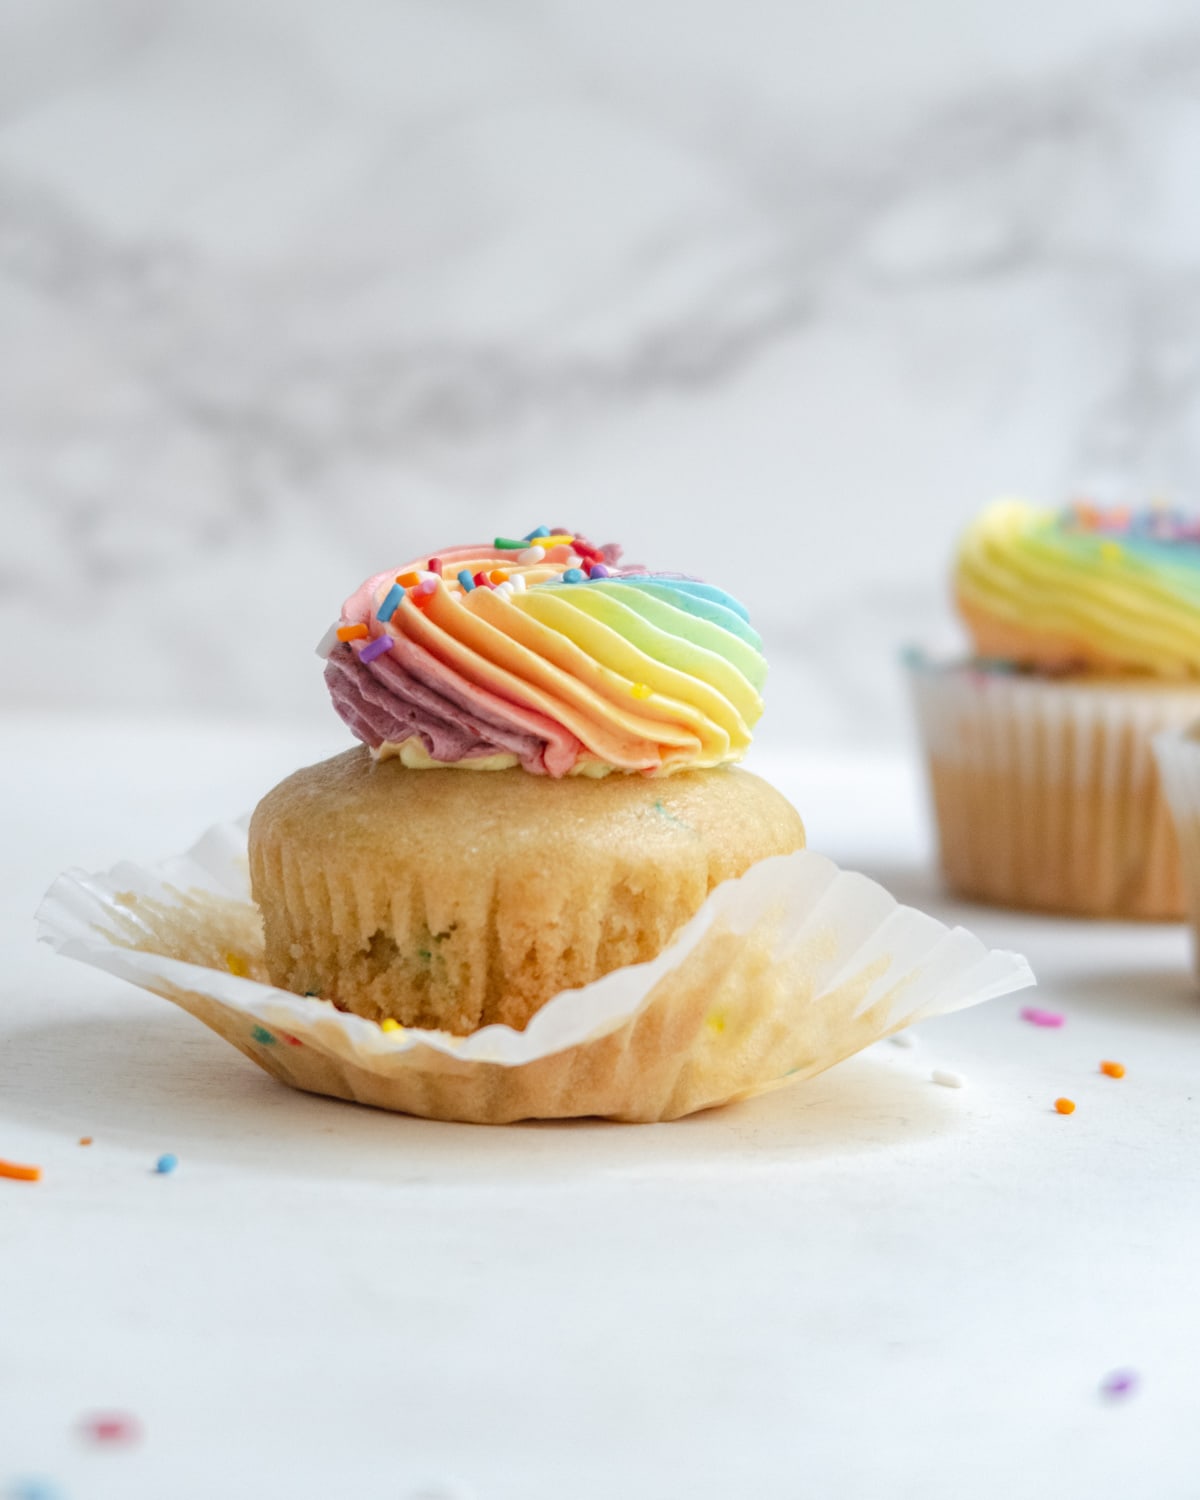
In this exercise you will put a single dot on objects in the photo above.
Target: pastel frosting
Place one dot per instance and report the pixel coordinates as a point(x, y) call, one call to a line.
point(545, 652)
point(1083, 589)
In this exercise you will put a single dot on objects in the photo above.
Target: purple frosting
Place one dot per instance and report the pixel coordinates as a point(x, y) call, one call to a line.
point(385, 701)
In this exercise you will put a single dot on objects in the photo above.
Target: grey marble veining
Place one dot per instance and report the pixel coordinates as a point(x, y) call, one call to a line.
point(290, 292)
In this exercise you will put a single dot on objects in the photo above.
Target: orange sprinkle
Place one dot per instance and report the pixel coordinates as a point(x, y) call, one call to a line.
point(499, 575)
point(407, 580)
point(19, 1173)
point(351, 632)
point(640, 690)
point(1065, 1106)
point(237, 965)
point(85, 1140)
point(1113, 1069)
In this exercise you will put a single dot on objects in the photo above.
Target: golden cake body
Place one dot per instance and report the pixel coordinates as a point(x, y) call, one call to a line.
point(441, 899)
point(1044, 783)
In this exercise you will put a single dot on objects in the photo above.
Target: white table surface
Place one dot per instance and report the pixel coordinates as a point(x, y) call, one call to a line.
point(867, 1285)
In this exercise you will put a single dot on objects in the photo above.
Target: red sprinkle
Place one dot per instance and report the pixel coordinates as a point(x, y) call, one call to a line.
point(292, 1041)
point(111, 1427)
point(435, 566)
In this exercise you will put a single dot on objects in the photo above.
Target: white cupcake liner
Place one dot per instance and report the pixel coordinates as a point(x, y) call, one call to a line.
point(1178, 760)
point(782, 973)
point(1046, 790)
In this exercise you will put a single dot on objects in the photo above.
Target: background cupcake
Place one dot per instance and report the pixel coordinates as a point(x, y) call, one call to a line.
point(1086, 631)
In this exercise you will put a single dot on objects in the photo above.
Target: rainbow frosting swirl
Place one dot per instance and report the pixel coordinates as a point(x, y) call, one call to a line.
point(545, 652)
point(1083, 589)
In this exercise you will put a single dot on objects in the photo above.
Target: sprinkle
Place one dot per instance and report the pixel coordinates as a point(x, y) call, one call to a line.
point(904, 1039)
point(505, 590)
point(531, 555)
point(541, 531)
point(598, 570)
point(507, 544)
point(111, 1427)
point(390, 1025)
point(263, 1037)
point(550, 542)
point(517, 582)
point(352, 632)
point(327, 642)
point(641, 690)
point(33, 1489)
point(948, 1079)
point(408, 580)
point(17, 1173)
point(481, 579)
point(1036, 1017)
point(466, 580)
point(498, 575)
point(573, 575)
point(1118, 1384)
point(435, 566)
point(375, 648)
point(426, 586)
point(85, 1140)
point(1113, 1069)
point(391, 603)
point(1065, 1106)
point(292, 1041)
point(561, 553)
point(237, 965)
point(166, 1163)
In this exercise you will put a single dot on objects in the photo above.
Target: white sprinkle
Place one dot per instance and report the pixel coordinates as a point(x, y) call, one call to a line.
point(948, 1079)
point(531, 555)
point(903, 1039)
point(327, 642)
point(505, 589)
point(518, 582)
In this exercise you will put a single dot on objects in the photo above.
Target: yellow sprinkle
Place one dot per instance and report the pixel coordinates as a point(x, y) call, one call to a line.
point(1110, 552)
point(716, 1022)
point(640, 690)
point(236, 964)
point(387, 1024)
point(546, 542)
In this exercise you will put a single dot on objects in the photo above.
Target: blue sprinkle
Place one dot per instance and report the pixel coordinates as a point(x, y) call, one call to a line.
point(391, 604)
point(573, 575)
point(466, 580)
point(34, 1489)
point(166, 1163)
point(541, 531)
point(263, 1036)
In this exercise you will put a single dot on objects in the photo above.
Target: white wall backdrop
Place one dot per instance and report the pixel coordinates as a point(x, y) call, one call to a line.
point(777, 293)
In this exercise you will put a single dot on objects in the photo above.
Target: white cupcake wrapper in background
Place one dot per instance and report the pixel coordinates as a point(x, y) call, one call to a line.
point(1046, 790)
point(781, 973)
point(1179, 771)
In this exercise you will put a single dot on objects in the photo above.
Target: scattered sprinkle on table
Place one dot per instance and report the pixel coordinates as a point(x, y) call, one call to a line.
point(19, 1173)
point(166, 1163)
point(111, 1427)
point(85, 1140)
point(903, 1039)
point(1038, 1017)
point(948, 1078)
point(33, 1489)
point(1113, 1069)
point(1065, 1106)
point(1118, 1384)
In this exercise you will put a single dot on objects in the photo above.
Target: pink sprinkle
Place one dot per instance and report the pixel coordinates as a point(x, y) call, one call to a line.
point(1037, 1017)
point(1119, 1383)
point(375, 648)
point(426, 586)
point(111, 1427)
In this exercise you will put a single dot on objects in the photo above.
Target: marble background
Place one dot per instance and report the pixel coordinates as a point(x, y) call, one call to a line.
point(777, 293)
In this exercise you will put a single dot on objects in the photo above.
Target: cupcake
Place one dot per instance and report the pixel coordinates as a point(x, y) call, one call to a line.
point(545, 789)
point(1085, 624)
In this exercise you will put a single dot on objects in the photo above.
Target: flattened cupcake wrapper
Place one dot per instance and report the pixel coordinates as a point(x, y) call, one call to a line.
point(781, 974)
point(1046, 792)
point(1179, 769)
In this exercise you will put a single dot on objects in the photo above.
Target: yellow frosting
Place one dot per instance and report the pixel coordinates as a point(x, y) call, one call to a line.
point(1082, 589)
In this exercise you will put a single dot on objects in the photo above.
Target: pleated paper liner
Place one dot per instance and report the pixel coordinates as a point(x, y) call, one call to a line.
point(781, 974)
point(1046, 792)
point(1179, 768)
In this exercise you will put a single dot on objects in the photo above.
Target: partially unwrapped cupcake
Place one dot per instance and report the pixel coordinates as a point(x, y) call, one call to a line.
point(540, 887)
point(1085, 624)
